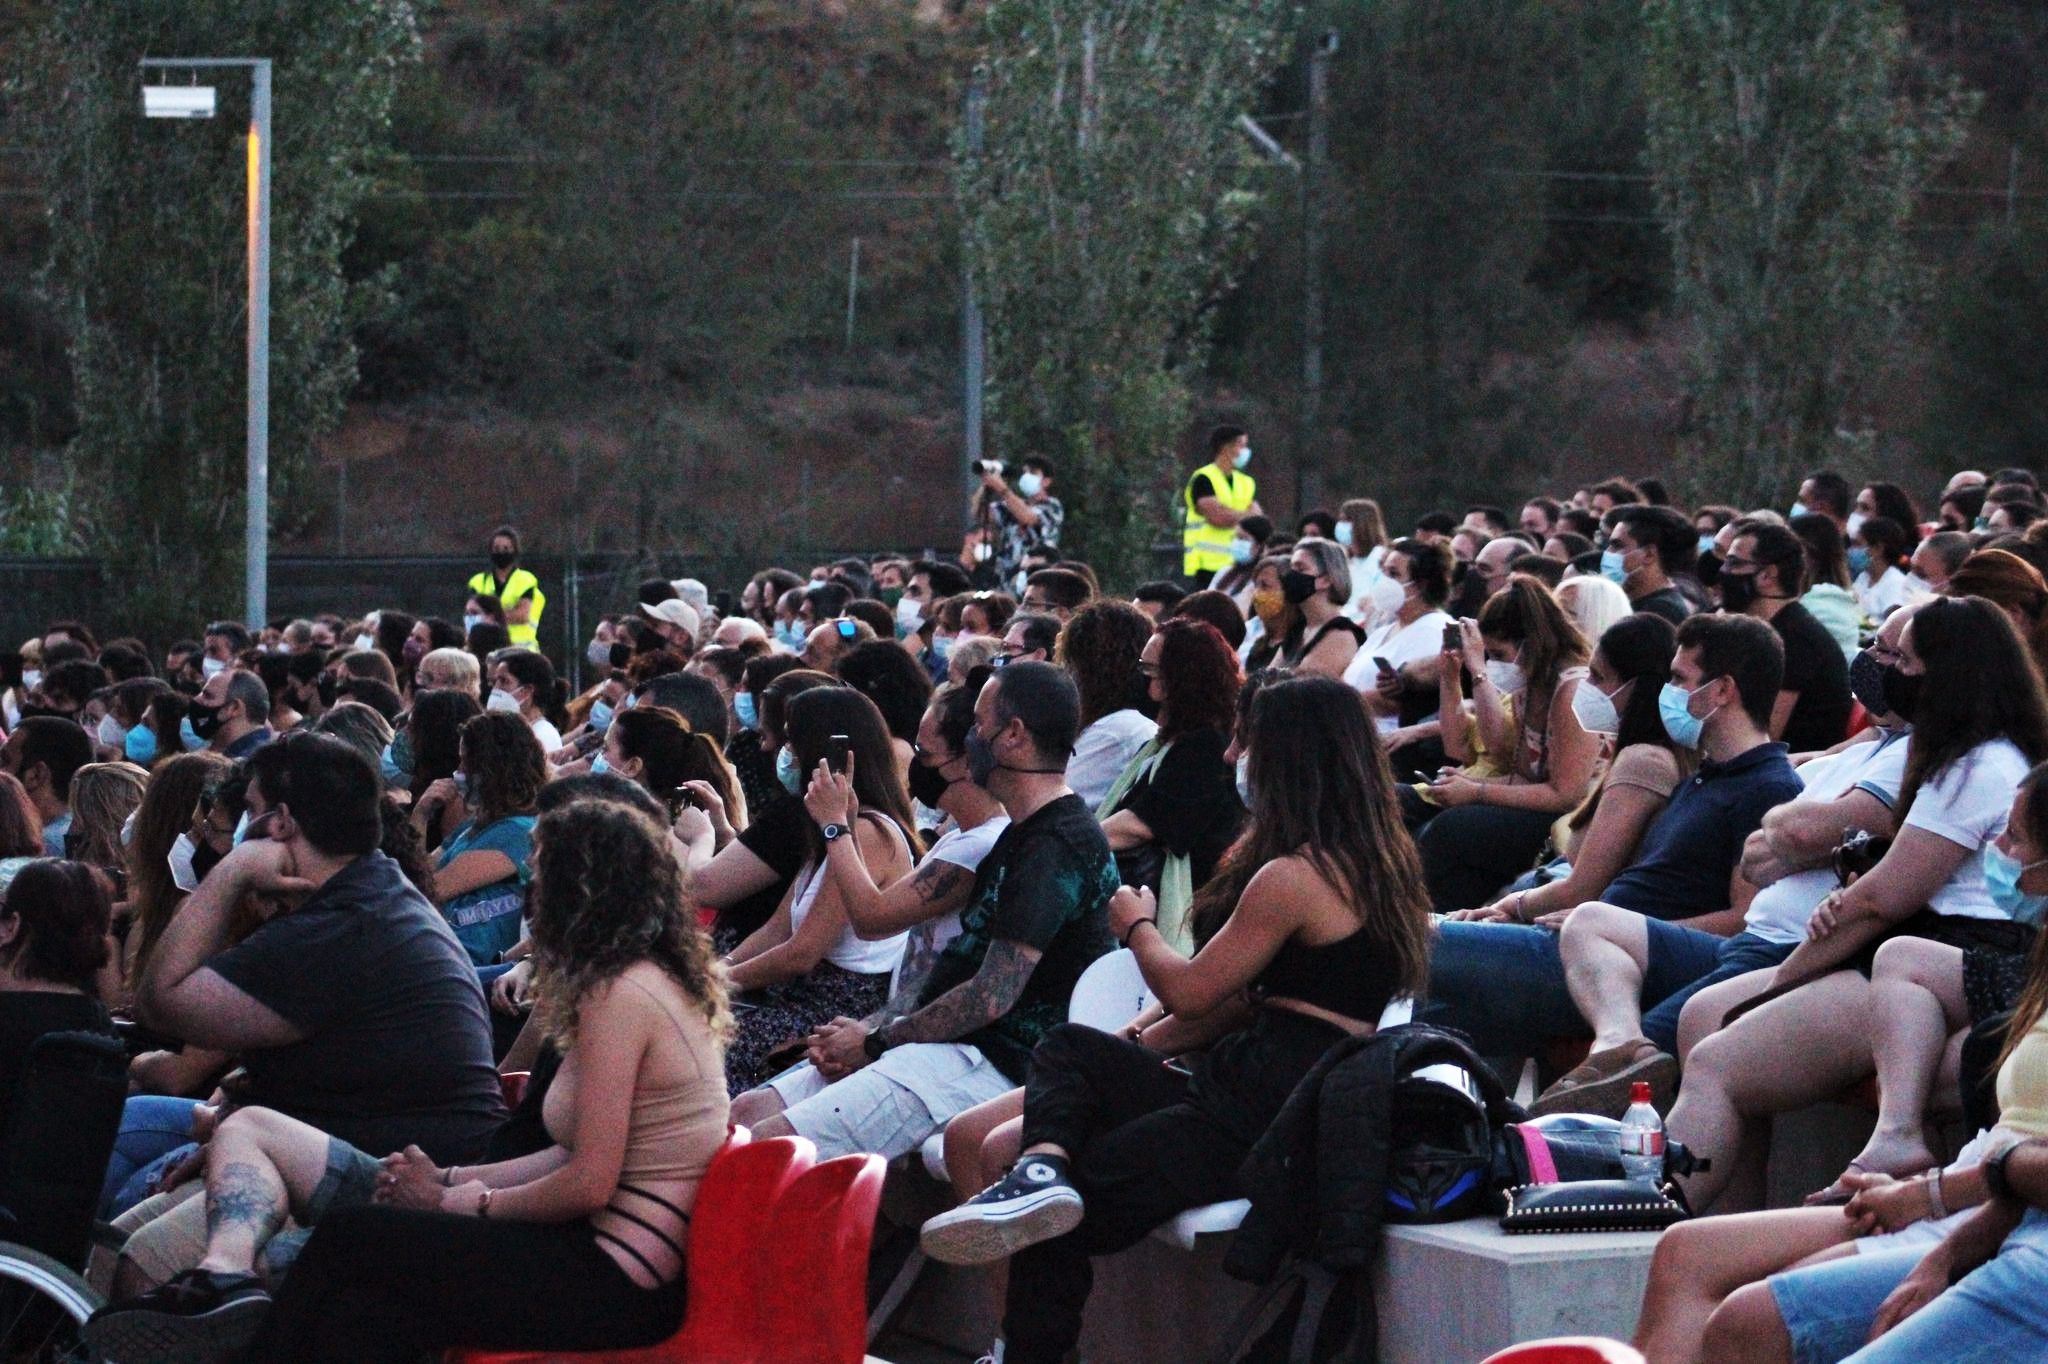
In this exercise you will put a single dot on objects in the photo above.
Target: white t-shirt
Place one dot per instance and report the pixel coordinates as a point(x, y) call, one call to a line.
point(1399, 644)
point(1879, 599)
point(1967, 804)
point(550, 737)
point(1364, 573)
point(1780, 911)
point(1104, 750)
point(963, 848)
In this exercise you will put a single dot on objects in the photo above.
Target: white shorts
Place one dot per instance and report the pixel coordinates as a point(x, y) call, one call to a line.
point(888, 1106)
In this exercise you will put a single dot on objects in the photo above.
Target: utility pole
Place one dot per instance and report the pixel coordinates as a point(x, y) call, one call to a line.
point(971, 339)
point(1309, 480)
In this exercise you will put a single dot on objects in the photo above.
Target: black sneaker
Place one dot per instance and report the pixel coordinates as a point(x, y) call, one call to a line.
point(1034, 1202)
point(196, 1317)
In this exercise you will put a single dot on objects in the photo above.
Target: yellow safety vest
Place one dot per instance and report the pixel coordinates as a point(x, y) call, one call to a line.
point(1208, 547)
point(519, 584)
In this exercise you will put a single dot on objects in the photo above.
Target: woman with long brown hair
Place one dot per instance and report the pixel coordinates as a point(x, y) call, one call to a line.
point(1174, 809)
point(1324, 922)
point(2016, 587)
point(1525, 758)
point(807, 965)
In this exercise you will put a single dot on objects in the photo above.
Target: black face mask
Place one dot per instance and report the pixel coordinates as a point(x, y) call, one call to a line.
point(205, 720)
point(927, 785)
point(502, 558)
point(1901, 692)
point(328, 687)
point(1866, 683)
point(1738, 591)
point(1297, 586)
point(1709, 570)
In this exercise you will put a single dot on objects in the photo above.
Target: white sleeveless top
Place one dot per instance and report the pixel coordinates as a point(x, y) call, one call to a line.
point(848, 952)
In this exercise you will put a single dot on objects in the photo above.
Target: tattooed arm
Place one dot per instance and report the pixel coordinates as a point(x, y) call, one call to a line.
point(919, 956)
point(974, 1003)
point(935, 889)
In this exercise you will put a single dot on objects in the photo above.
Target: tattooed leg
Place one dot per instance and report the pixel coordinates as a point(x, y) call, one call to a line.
point(245, 1205)
point(260, 1166)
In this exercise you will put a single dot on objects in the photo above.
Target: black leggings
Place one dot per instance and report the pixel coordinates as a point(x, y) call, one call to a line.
point(389, 1284)
point(1470, 852)
point(1144, 1146)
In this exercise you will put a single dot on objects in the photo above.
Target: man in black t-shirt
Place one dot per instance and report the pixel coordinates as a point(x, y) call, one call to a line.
point(1647, 548)
point(1764, 576)
point(960, 1028)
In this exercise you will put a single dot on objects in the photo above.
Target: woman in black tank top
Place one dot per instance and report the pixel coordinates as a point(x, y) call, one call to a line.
point(1313, 922)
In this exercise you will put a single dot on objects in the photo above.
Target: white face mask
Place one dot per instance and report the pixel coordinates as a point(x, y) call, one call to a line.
point(365, 643)
point(212, 667)
point(1506, 677)
point(128, 827)
point(110, 731)
point(1031, 484)
point(1595, 710)
point(909, 616)
point(1388, 594)
point(31, 678)
point(502, 702)
point(182, 874)
point(1244, 780)
point(1856, 520)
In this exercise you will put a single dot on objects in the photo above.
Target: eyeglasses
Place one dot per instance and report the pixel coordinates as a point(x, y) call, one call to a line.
point(1732, 562)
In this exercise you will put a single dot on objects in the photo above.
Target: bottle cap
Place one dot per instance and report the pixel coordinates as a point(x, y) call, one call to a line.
point(1640, 1092)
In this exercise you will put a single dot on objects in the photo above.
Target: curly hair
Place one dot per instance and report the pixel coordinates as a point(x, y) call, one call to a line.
point(1199, 674)
point(505, 765)
point(1100, 647)
point(607, 894)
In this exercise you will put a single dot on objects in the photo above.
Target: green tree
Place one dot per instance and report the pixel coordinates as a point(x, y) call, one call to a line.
point(1437, 341)
point(147, 261)
point(1789, 154)
point(1107, 213)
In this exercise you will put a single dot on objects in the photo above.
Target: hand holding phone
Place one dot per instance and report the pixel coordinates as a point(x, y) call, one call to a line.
point(839, 753)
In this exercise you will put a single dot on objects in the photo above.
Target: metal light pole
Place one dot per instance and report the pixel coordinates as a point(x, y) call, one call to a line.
point(181, 102)
point(971, 335)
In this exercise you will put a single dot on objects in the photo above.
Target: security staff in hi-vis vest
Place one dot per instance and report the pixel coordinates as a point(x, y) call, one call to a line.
point(1218, 496)
point(517, 590)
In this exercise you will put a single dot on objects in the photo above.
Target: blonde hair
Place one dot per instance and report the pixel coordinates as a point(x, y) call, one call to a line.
point(103, 795)
point(1593, 603)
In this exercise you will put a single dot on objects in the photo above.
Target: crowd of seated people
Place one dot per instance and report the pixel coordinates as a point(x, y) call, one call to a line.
point(1739, 804)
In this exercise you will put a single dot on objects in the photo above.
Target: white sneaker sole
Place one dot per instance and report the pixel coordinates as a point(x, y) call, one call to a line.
point(971, 1235)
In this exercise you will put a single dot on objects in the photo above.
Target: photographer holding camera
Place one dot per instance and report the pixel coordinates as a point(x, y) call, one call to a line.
point(1010, 522)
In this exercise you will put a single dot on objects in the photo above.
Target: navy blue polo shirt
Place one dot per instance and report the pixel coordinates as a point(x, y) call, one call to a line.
point(1685, 861)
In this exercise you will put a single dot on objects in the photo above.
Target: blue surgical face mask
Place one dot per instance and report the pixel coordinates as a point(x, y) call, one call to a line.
point(601, 717)
point(1614, 566)
point(1798, 509)
point(470, 620)
point(1243, 459)
point(2002, 876)
point(1242, 551)
point(192, 742)
point(1706, 544)
point(786, 770)
point(744, 710)
point(1674, 707)
point(1859, 560)
point(1244, 779)
point(942, 647)
point(140, 745)
point(599, 767)
point(387, 764)
point(1344, 533)
point(790, 636)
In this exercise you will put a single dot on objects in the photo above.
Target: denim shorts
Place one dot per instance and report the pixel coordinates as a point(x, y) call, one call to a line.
point(1997, 1314)
point(350, 1182)
point(1684, 961)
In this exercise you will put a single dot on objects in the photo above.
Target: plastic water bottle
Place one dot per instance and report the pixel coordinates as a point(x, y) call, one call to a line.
point(1642, 1139)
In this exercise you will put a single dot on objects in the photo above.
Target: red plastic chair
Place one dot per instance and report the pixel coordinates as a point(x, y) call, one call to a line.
point(1859, 719)
point(1567, 1350)
point(820, 1245)
point(728, 1262)
point(512, 1084)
